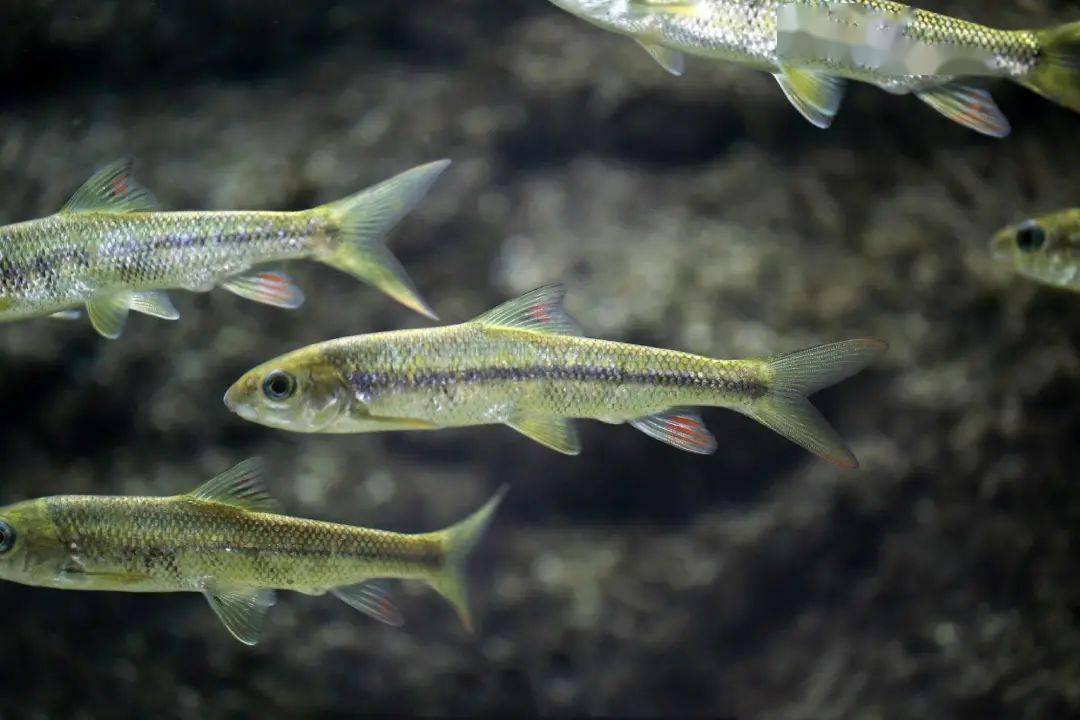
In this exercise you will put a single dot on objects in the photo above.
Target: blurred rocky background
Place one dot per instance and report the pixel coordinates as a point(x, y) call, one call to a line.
point(698, 213)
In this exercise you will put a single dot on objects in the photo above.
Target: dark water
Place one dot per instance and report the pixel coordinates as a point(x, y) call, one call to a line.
point(698, 213)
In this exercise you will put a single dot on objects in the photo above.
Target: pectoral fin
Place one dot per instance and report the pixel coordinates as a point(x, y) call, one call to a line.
point(671, 60)
point(970, 106)
point(66, 315)
point(814, 94)
point(371, 598)
point(557, 433)
point(241, 609)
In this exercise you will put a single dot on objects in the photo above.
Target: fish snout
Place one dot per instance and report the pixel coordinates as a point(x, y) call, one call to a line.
point(235, 398)
point(1001, 246)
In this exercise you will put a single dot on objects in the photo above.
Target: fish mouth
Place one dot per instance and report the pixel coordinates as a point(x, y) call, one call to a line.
point(1001, 247)
point(233, 403)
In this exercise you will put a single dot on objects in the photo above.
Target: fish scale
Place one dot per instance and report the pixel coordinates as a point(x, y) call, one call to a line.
point(812, 46)
point(112, 250)
point(175, 544)
point(525, 364)
point(230, 542)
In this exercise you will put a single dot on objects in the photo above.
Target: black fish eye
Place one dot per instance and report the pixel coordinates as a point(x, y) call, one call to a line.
point(1030, 237)
point(279, 385)
point(7, 537)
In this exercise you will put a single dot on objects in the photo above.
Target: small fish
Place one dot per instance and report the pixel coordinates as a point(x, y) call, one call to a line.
point(228, 541)
point(110, 249)
point(526, 364)
point(1045, 249)
point(813, 46)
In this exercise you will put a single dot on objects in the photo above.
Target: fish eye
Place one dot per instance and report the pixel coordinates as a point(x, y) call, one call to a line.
point(7, 537)
point(1030, 237)
point(279, 385)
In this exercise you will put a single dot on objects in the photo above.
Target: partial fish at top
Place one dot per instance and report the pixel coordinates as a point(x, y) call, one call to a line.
point(812, 46)
point(111, 250)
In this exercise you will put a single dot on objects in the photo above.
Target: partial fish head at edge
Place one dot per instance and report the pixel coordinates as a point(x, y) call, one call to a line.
point(31, 552)
point(297, 392)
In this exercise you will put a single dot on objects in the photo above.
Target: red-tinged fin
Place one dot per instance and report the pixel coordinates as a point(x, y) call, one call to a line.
point(364, 220)
point(785, 407)
point(112, 189)
point(970, 106)
point(681, 428)
point(458, 542)
point(540, 310)
point(268, 287)
point(371, 598)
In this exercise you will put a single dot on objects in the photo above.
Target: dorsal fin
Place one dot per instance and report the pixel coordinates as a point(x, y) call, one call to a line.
point(540, 310)
point(240, 487)
point(112, 189)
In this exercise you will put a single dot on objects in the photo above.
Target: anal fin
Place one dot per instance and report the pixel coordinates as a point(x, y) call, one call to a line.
point(680, 428)
point(267, 287)
point(970, 106)
point(371, 598)
point(557, 433)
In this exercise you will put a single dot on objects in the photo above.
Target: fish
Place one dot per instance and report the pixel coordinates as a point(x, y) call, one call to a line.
point(1045, 249)
point(112, 250)
point(228, 540)
point(527, 364)
point(812, 47)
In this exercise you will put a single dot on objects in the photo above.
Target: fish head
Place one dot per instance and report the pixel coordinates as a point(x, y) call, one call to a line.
point(31, 551)
point(614, 15)
point(1045, 249)
point(301, 391)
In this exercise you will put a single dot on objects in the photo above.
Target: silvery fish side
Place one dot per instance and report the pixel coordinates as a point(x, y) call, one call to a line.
point(525, 364)
point(110, 249)
point(812, 46)
point(228, 541)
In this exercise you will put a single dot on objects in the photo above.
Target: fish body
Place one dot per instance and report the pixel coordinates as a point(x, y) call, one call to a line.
point(112, 251)
point(228, 541)
point(1044, 249)
point(812, 46)
point(524, 364)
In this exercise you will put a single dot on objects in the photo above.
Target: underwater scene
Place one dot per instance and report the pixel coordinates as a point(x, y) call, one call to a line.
point(540, 358)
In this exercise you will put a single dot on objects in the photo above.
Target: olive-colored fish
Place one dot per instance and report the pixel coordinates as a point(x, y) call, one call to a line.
point(1045, 249)
point(812, 46)
point(111, 250)
point(227, 541)
point(525, 364)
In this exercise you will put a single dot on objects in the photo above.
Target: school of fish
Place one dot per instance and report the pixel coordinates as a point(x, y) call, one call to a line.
point(525, 364)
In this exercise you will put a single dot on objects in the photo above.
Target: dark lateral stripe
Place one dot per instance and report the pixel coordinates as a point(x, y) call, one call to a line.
point(368, 382)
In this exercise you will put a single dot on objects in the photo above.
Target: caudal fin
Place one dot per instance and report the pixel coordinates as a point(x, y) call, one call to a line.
point(365, 219)
point(1056, 74)
point(458, 542)
point(786, 409)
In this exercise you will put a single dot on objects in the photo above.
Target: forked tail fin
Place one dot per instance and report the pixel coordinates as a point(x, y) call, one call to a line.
point(364, 220)
point(786, 409)
point(458, 542)
point(1056, 75)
